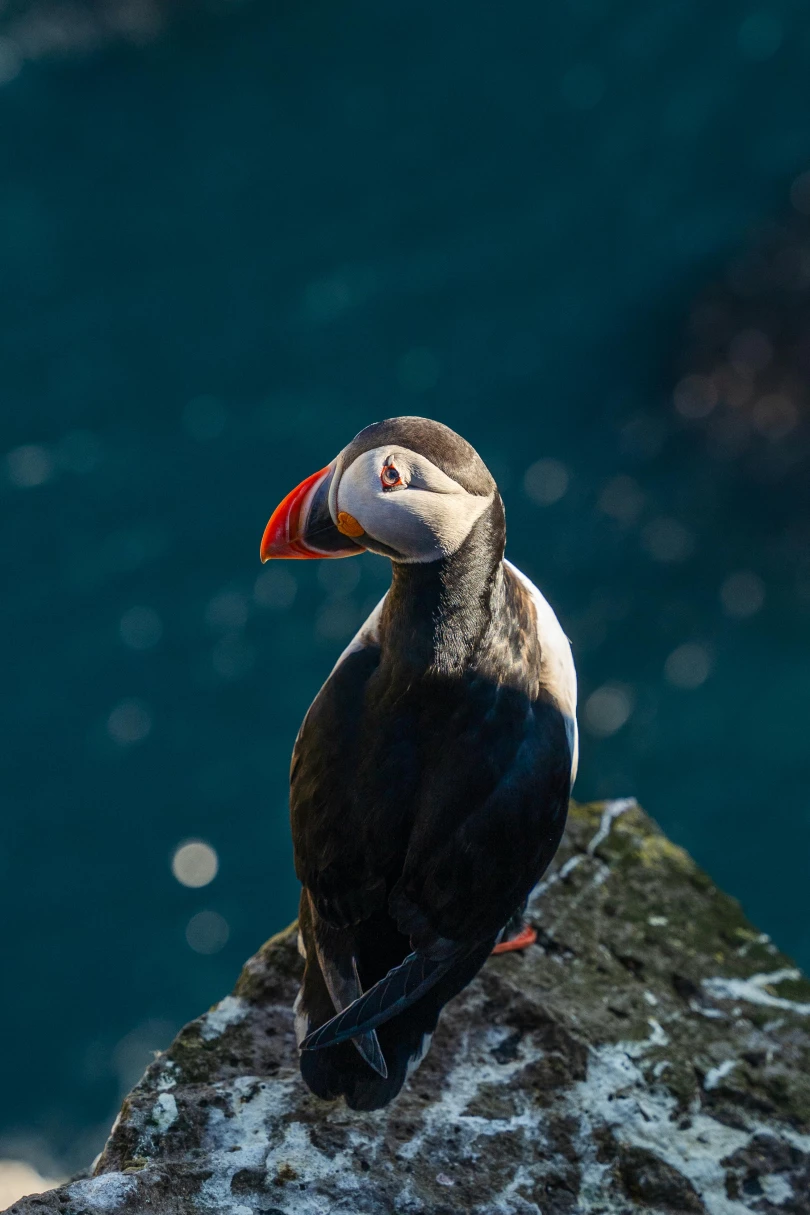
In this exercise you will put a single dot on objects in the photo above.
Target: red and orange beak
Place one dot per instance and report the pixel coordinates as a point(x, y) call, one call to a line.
point(301, 526)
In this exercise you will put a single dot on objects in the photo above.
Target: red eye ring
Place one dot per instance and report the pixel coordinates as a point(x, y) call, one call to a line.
point(390, 477)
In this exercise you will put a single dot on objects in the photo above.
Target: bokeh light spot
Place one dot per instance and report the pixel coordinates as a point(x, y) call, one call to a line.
point(546, 481)
point(667, 540)
point(327, 298)
point(338, 619)
point(742, 594)
point(775, 415)
point(29, 466)
point(695, 396)
point(607, 709)
point(228, 610)
point(339, 577)
point(275, 588)
point(760, 35)
point(750, 351)
point(621, 499)
point(130, 722)
point(195, 863)
point(207, 932)
point(140, 628)
point(233, 657)
point(688, 666)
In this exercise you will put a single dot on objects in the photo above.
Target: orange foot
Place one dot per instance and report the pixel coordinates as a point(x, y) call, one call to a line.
point(526, 936)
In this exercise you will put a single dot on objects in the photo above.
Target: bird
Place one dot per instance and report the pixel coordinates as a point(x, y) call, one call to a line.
point(431, 776)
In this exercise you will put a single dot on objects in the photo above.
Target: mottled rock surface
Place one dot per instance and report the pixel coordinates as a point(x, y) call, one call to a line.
point(651, 1053)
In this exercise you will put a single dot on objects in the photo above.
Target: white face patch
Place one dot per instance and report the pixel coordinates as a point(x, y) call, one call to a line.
point(426, 517)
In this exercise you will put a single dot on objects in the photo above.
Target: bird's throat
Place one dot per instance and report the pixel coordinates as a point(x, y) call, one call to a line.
point(437, 613)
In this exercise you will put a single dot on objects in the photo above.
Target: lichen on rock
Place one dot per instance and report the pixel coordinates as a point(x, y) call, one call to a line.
point(651, 1053)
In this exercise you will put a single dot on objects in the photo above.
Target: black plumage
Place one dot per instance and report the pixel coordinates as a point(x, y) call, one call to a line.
point(429, 788)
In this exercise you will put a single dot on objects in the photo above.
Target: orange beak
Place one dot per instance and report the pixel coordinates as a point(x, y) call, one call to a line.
point(301, 527)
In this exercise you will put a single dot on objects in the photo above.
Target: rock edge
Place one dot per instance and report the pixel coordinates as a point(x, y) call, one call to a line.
point(651, 1053)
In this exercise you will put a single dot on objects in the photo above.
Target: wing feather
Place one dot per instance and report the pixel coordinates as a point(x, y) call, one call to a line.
point(390, 996)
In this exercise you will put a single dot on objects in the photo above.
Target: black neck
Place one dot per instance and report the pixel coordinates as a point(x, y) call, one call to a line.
point(437, 612)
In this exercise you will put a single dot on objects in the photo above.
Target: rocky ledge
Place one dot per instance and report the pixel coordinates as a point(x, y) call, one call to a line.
point(650, 1053)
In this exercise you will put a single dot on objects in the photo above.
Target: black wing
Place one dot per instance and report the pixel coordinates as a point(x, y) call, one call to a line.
point(491, 814)
point(487, 826)
point(390, 996)
point(350, 834)
point(333, 951)
point(326, 816)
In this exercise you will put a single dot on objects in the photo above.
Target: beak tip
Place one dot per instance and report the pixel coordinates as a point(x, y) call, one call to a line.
point(266, 546)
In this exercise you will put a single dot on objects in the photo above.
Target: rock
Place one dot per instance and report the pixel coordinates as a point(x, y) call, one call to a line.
point(651, 1053)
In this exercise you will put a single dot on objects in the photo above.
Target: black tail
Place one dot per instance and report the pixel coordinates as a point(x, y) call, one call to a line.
point(337, 1069)
point(343, 984)
point(390, 996)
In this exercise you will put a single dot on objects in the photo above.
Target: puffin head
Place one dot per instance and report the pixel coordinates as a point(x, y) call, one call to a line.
point(407, 488)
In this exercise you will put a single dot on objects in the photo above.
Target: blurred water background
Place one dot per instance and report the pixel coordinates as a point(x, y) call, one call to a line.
point(230, 239)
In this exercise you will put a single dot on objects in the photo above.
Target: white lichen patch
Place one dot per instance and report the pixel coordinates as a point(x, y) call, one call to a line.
point(753, 990)
point(557, 875)
point(776, 1188)
point(167, 1079)
point(229, 1011)
point(164, 1112)
point(715, 1074)
point(253, 1105)
point(612, 810)
point(104, 1193)
point(289, 1160)
point(471, 1081)
point(258, 1123)
point(473, 1075)
point(616, 1094)
point(658, 1035)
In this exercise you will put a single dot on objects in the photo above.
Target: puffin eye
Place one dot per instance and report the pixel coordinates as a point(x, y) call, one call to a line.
point(390, 477)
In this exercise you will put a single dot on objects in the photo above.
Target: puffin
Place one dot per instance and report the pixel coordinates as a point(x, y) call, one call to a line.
point(430, 778)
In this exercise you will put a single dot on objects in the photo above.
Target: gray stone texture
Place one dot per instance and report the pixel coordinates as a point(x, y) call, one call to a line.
point(651, 1053)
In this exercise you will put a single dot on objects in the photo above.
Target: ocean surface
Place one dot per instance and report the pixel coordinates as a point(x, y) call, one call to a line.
point(221, 255)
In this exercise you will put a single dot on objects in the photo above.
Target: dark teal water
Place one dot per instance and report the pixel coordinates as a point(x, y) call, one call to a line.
point(220, 257)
